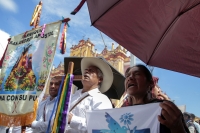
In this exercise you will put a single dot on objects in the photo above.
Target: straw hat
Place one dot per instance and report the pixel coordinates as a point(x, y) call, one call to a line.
point(105, 69)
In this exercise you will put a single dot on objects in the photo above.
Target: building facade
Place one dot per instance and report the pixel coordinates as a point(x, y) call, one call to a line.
point(115, 56)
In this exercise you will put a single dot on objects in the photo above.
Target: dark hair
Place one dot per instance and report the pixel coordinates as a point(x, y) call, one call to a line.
point(187, 114)
point(57, 78)
point(146, 72)
point(192, 116)
point(127, 70)
point(99, 75)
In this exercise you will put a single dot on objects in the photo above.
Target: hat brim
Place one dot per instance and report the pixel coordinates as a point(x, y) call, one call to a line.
point(104, 67)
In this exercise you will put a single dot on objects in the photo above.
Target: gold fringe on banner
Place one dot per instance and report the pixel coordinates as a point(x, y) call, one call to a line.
point(19, 120)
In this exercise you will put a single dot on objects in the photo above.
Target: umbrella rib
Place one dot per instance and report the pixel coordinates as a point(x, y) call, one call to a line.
point(162, 39)
point(166, 31)
point(106, 12)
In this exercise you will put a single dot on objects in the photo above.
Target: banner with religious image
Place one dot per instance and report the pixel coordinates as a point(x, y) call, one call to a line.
point(133, 119)
point(25, 70)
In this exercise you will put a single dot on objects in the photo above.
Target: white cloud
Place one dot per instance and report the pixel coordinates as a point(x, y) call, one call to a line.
point(80, 24)
point(3, 41)
point(64, 8)
point(9, 5)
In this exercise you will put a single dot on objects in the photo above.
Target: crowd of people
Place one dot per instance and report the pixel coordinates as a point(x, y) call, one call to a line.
point(193, 126)
point(141, 89)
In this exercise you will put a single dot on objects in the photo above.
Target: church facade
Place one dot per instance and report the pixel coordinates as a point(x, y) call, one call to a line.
point(115, 56)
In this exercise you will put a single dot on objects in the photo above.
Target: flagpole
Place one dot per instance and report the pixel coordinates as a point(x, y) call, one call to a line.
point(34, 22)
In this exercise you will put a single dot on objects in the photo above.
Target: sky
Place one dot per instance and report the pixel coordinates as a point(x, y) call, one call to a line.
point(15, 19)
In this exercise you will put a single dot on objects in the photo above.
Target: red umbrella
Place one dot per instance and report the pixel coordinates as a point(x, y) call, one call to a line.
point(162, 33)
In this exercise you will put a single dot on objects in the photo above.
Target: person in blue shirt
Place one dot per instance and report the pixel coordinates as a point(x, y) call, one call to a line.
point(45, 108)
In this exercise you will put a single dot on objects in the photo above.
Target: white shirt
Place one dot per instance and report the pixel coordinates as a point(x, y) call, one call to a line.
point(18, 130)
point(45, 109)
point(3, 129)
point(191, 127)
point(197, 126)
point(95, 101)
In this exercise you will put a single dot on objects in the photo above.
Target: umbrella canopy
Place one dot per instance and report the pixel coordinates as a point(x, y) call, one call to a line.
point(117, 88)
point(161, 33)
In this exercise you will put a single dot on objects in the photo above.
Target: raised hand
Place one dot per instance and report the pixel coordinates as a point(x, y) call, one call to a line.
point(172, 117)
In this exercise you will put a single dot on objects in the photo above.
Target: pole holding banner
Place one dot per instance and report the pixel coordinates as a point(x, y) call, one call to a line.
point(60, 120)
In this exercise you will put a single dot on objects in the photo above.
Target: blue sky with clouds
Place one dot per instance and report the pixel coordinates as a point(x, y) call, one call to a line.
point(15, 19)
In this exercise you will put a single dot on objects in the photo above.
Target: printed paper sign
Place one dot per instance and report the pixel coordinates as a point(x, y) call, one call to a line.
point(133, 119)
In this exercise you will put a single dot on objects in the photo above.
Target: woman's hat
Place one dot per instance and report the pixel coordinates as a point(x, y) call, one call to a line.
point(105, 69)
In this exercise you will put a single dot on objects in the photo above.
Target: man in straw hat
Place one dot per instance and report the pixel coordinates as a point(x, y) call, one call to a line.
point(97, 79)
